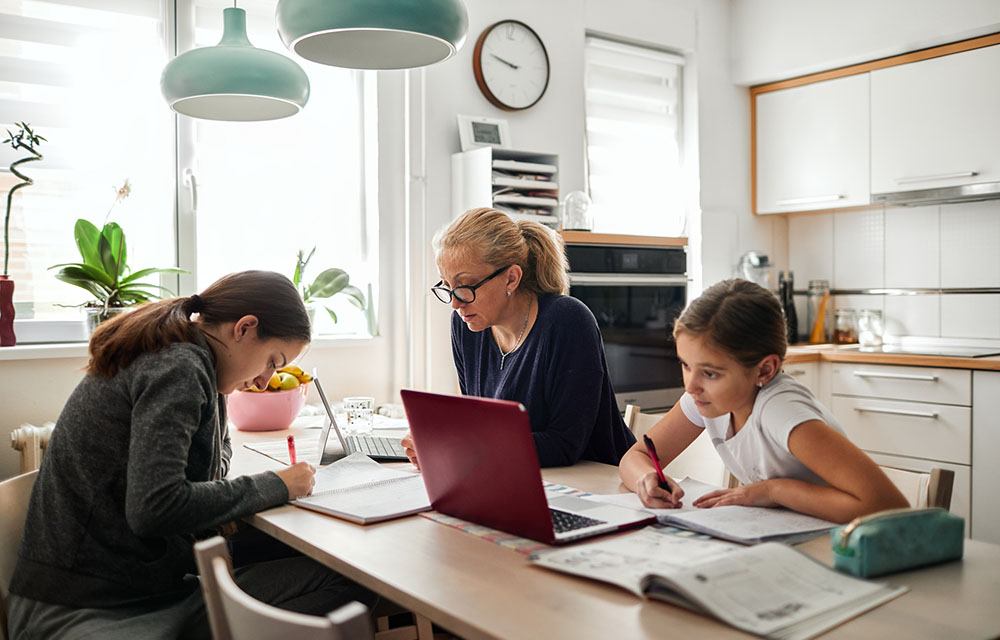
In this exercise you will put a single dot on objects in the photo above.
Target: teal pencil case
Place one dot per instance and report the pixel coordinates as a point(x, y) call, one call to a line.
point(896, 540)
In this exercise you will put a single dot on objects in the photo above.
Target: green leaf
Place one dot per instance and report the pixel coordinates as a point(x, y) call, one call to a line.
point(86, 236)
point(68, 276)
point(85, 271)
point(116, 238)
point(355, 295)
point(108, 263)
point(332, 314)
point(328, 283)
point(142, 273)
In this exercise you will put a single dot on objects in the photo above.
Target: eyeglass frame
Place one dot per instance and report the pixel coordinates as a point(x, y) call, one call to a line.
point(472, 288)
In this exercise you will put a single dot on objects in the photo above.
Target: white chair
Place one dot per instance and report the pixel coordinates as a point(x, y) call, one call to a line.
point(699, 461)
point(14, 495)
point(923, 489)
point(235, 615)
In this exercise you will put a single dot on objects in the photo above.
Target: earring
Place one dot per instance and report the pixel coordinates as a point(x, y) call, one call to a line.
point(760, 384)
point(508, 293)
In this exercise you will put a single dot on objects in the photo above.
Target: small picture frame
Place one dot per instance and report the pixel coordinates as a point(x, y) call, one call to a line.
point(480, 131)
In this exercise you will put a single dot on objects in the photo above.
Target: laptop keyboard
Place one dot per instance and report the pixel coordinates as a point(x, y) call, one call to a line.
point(563, 521)
point(376, 446)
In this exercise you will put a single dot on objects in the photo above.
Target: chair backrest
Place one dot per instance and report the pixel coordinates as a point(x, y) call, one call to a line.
point(233, 614)
point(699, 461)
point(14, 495)
point(923, 489)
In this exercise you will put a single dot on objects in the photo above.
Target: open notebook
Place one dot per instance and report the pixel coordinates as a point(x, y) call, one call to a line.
point(358, 489)
point(747, 525)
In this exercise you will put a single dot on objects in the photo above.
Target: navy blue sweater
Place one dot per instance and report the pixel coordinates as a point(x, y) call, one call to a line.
point(559, 374)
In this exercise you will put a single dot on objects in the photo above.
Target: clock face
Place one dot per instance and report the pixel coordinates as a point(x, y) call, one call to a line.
point(511, 65)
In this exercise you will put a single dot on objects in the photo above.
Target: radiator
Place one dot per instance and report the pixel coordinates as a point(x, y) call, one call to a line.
point(31, 441)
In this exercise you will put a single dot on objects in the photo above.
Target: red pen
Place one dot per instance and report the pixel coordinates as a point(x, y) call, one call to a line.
point(651, 450)
point(291, 448)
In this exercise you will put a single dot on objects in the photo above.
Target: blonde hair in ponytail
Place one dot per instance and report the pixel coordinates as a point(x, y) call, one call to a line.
point(498, 240)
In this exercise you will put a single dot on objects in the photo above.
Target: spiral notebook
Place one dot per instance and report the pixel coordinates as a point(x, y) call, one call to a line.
point(358, 489)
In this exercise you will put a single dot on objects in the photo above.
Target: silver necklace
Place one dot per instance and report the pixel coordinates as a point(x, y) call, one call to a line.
point(503, 356)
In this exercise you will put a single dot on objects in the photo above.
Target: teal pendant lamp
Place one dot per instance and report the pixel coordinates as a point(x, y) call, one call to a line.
point(234, 80)
point(373, 34)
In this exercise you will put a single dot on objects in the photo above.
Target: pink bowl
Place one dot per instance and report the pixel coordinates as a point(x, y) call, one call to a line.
point(265, 411)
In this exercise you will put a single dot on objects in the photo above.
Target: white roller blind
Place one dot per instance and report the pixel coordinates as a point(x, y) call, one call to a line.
point(85, 75)
point(634, 153)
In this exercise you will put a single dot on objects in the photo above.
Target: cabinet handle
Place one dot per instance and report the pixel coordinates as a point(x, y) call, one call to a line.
point(895, 376)
point(809, 200)
point(898, 412)
point(796, 372)
point(936, 176)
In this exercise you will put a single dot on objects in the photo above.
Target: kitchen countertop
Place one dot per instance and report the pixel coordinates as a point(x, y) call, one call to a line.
point(849, 353)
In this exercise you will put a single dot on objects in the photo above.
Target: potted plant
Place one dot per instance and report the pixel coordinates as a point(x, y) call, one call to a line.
point(326, 285)
point(27, 140)
point(104, 271)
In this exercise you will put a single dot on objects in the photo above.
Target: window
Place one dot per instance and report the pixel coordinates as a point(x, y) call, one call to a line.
point(634, 145)
point(85, 74)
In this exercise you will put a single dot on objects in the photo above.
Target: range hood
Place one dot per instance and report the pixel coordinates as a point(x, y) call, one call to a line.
point(941, 195)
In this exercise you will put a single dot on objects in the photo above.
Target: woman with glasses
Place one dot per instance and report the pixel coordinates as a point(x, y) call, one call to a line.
point(516, 336)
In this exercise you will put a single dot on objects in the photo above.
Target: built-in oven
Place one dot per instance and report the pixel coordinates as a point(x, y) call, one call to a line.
point(636, 293)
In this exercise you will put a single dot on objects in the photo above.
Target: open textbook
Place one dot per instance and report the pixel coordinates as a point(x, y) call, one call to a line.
point(359, 489)
point(770, 589)
point(748, 525)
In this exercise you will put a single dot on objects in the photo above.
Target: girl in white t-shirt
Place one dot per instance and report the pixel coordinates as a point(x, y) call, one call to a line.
point(785, 448)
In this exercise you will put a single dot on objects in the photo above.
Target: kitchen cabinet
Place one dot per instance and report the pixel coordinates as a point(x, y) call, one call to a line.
point(805, 373)
point(913, 418)
point(985, 455)
point(812, 146)
point(934, 122)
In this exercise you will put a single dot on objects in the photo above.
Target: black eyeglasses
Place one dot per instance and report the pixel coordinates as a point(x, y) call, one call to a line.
point(464, 294)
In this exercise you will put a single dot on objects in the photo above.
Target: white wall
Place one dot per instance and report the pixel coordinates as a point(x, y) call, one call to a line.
point(778, 39)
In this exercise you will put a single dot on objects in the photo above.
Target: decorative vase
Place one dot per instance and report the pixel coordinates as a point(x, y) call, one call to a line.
point(97, 315)
point(7, 338)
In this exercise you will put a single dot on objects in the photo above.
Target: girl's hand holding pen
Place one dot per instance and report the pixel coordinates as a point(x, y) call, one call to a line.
point(652, 495)
point(299, 479)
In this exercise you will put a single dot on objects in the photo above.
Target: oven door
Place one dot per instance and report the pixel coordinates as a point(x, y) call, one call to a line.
point(636, 316)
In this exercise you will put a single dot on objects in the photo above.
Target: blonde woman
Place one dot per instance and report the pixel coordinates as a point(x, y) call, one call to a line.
point(516, 336)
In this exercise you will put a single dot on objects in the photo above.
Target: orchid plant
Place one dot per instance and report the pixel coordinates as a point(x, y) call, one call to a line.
point(104, 271)
point(27, 140)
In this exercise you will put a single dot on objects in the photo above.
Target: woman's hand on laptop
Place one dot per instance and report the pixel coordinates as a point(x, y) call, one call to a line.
point(410, 449)
point(299, 479)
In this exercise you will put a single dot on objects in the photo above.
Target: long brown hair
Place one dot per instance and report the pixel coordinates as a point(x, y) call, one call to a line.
point(269, 296)
point(498, 240)
point(740, 317)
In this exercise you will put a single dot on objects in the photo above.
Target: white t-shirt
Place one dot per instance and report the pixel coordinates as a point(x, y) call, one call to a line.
point(759, 451)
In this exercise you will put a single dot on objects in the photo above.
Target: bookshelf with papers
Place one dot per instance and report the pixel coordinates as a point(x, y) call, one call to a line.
point(524, 184)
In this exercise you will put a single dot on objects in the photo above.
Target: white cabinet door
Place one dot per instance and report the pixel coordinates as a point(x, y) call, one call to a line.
point(985, 455)
point(934, 122)
point(806, 374)
point(812, 146)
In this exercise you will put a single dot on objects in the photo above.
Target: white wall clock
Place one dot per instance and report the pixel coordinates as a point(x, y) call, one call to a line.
point(511, 65)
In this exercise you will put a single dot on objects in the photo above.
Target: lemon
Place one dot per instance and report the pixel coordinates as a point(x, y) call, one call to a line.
point(288, 381)
point(275, 382)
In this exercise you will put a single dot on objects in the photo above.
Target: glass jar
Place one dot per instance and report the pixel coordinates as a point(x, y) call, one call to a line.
point(870, 328)
point(845, 328)
point(819, 312)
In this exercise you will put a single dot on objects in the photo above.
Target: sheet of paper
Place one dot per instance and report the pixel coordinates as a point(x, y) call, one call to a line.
point(356, 470)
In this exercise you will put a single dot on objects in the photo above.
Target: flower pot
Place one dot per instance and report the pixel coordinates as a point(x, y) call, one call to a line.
point(97, 315)
point(7, 338)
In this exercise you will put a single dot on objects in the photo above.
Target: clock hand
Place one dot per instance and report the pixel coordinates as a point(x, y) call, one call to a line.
point(509, 64)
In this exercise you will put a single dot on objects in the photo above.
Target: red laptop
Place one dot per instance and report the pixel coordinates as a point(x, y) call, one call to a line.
point(479, 463)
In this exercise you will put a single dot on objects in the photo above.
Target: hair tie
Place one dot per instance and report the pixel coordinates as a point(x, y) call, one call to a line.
point(195, 304)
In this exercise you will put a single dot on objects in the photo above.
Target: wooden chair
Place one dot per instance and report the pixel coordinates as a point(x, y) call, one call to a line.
point(14, 495)
point(233, 614)
point(699, 460)
point(923, 489)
